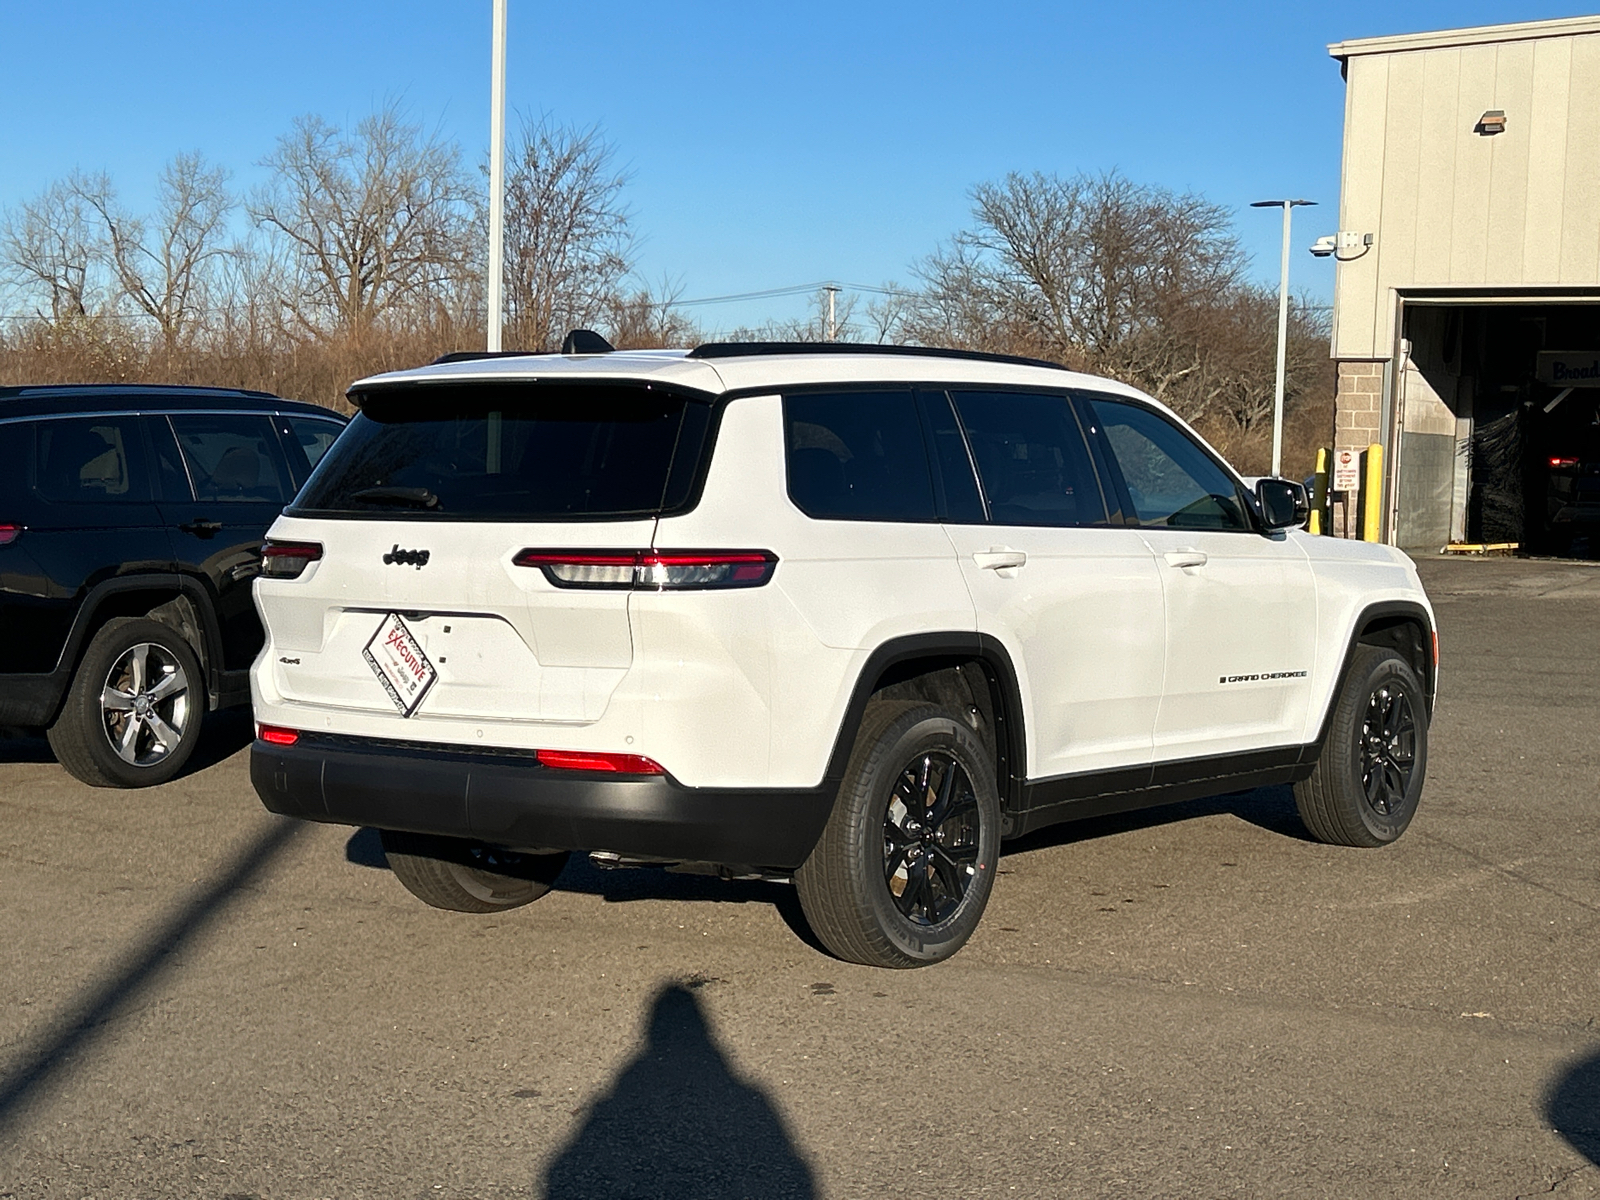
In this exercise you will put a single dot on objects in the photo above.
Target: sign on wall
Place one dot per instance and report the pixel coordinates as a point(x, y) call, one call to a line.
point(1346, 471)
point(1569, 368)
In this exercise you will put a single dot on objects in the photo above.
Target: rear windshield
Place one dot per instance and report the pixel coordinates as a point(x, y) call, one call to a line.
point(512, 452)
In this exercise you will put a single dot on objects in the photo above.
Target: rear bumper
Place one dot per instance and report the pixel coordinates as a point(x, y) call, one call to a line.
point(511, 800)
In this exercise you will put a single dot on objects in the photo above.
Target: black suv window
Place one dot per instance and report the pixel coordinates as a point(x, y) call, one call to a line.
point(1032, 458)
point(512, 452)
point(231, 457)
point(95, 460)
point(307, 439)
point(1170, 480)
point(858, 456)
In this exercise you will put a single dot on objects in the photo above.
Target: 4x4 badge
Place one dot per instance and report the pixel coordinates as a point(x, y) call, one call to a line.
point(406, 558)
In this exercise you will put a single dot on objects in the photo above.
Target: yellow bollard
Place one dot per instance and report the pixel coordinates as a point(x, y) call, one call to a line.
point(1319, 493)
point(1372, 500)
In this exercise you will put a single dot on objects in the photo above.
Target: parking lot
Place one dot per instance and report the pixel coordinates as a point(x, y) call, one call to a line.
point(197, 999)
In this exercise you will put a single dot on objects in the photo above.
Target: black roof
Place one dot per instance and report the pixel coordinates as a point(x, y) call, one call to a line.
point(52, 399)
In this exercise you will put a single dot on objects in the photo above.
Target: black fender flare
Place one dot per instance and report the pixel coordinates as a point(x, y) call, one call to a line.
point(1405, 610)
point(966, 646)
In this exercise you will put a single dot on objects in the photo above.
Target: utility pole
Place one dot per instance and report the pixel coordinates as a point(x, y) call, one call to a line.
point(832, 330)
point(1288, 207)
point(497, 176)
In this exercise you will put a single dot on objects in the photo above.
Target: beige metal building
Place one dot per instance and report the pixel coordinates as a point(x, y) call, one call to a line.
point(1467, 295)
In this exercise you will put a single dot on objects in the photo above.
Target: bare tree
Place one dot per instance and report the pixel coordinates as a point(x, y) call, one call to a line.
point(647, 320)
point(166, 267)
point(377, 220)
point(50, 250)
point(568, 240)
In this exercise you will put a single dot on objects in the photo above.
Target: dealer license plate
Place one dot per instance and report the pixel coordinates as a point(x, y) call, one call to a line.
point(400, 665)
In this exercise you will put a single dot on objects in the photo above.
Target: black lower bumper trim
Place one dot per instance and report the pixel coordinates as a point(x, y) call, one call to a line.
point(511, 800)
point(32, 699)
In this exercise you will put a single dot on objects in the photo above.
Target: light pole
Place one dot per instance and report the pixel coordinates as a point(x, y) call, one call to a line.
point(1288, 207)
point(497, 175)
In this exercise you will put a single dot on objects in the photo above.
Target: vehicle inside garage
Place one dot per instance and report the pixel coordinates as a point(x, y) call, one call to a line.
point(1498, 410)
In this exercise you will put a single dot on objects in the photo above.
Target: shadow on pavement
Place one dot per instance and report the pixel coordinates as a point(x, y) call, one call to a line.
point(24, 746)
point(57, 1041)
point(1573, 1107)
point(679, 1123)
point(222, 735)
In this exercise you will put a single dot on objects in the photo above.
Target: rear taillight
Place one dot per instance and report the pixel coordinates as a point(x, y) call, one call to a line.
point(9, 534)
point(585, 760)
point(652, 570)
point(1558, 461)
point(276, 735)
point(288, 560)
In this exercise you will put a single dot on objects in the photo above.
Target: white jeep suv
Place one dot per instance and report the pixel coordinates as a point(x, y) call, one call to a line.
point(846, 615)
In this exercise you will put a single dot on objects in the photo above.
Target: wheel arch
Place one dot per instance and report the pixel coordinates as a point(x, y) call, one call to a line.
point(945, 668)
point(1401, 625)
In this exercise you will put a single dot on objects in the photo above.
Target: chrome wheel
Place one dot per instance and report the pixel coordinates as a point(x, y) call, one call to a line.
point(1388, 749)
point(931, 839)
point(144, 704)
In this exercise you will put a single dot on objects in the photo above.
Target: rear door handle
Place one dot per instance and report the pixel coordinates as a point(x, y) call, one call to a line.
point(202, 527)
point(1185, 558)
point(998, 559)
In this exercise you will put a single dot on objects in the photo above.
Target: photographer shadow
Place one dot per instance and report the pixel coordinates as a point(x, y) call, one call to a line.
point(679, 1123)
point(1572, 1106)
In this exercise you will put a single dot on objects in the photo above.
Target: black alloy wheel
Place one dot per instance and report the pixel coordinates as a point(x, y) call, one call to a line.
point(930, 838)
point(1369, 774)
point(1388, 750)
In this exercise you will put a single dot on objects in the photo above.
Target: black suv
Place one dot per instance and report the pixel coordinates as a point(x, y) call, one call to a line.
point(131, 522)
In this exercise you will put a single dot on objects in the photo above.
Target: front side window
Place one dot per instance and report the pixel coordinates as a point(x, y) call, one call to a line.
point(231, 458)
point(1031, 458)
point(858, 456)
point(512, 452)
point(1170, 480)
point(91, 461)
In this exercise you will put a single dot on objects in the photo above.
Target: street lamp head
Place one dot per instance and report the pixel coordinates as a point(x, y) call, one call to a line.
point(1280, 203)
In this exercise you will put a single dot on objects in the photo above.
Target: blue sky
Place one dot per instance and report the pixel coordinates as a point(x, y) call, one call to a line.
point(768, 145)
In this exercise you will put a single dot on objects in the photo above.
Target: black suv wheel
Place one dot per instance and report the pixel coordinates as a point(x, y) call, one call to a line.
point(903, 869)
point(132, 714)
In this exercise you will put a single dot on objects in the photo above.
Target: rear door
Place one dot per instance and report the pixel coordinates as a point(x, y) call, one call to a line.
point(1240, 607)
point(223, 482)
point(423, 509)
point(1072, 594)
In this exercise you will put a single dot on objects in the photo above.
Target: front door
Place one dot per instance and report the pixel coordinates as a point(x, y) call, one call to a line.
point(1240, 606)
point(1074, 597)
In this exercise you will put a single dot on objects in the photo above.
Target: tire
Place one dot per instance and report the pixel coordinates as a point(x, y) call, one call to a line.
point(1368, 778)
point(891, 883)
point(133, 710)
point(463, 876)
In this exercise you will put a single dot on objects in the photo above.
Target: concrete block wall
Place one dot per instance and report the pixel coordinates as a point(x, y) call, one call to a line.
point(1357, 408)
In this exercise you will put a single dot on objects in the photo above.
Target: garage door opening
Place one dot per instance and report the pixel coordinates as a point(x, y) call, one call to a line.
point(1498, 411)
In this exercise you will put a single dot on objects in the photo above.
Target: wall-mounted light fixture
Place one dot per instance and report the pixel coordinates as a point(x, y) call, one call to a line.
point(1492, 122)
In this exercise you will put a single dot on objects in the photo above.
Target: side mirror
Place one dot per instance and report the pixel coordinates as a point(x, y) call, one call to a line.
point(1282, 503)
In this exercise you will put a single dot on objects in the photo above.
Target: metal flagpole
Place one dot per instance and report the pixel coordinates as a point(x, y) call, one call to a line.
point(497, 176)
point(1283, 328)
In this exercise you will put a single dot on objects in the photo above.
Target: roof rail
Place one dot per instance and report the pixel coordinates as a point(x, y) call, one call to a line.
point(578, 341)
point(475, 355)
point(13, 391)
point(750, 349)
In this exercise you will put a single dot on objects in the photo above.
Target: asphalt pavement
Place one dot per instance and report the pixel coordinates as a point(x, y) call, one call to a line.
point(200, 1000)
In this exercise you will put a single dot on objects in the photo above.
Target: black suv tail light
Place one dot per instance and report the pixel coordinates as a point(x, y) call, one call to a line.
point(9, 533)
point(288, 560)
point(652, 570)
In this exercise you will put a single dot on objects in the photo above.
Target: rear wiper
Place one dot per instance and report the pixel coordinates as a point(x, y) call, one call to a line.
point(419, 497)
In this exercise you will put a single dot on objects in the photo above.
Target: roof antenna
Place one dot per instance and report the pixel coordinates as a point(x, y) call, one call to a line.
point(585, 341)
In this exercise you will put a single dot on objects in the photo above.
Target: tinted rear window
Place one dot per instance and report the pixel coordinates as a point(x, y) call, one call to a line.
point(512, 453)
point(858, 456)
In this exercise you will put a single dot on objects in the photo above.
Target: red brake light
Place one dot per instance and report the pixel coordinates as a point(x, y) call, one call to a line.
point(652, 570)
point(9, 534)
point(288, 560)
point(277, 735)
point(1557, 460)
point(583, 760)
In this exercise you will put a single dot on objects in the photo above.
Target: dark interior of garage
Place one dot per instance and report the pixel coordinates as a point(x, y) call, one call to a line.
point(1500, 428)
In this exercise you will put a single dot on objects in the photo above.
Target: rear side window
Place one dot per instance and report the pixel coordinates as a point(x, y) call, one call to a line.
point(307, 440)
point(858, 456)
point(1170, 480)
point(512, 452)
point(231, 458)
point(96, 460)
point(1032, 459)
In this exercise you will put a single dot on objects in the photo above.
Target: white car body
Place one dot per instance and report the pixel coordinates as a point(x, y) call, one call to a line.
point(1144, 664)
